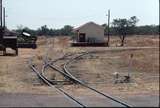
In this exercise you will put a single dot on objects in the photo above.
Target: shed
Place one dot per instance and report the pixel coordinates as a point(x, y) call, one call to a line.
point(89, 33)
point(8, 40)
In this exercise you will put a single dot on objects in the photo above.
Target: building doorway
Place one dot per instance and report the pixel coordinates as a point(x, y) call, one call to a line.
point(82, 37)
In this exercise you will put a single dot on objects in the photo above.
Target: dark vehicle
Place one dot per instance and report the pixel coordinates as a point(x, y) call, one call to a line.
point(26, 40)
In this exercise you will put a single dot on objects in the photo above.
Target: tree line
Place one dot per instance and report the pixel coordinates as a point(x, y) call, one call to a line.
point(127, 26)
point(67, 30)
point(139, 30)
point(121, 27)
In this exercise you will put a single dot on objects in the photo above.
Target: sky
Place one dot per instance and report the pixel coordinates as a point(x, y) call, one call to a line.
point(57, 13)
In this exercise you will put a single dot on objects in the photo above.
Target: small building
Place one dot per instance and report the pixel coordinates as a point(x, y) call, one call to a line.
point(89, 33)
point(8, 40)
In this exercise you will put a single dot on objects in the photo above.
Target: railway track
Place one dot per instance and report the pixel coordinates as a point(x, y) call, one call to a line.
point(65, 72)
point(50, 83)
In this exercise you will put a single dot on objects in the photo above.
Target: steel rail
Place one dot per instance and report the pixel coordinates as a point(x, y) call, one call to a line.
point(42, 74)
point(46, 81)
point(82, 83)
point(67, 74)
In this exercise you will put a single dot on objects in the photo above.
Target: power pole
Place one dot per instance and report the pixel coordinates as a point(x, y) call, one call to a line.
point(1, 22)
point(4, 17)
point(1, 13)
point(159, 20)
point(108, 27)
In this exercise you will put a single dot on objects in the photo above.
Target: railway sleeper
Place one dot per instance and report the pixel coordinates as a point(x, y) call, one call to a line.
point(54, 82)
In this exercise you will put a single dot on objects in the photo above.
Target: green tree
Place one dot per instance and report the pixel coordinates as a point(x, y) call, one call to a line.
point(147, 30)
point(43, 30)
point(123, 27)
point(67, 30)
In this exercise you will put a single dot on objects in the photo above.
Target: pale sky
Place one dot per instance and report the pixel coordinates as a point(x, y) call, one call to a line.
point(57, 13)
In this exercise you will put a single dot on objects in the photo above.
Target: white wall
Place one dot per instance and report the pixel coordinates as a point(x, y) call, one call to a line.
point(93, 31)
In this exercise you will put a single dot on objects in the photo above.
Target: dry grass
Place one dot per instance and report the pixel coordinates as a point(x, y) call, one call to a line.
point(16, 77)
point(137, 41)
point(99, 72)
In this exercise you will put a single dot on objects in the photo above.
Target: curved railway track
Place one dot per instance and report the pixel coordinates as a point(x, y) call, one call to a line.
point(91, 88)
point(50, 83)
point(66, 73)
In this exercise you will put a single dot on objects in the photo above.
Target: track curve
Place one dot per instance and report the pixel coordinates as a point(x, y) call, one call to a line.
point(67, 74)
point(49, 83)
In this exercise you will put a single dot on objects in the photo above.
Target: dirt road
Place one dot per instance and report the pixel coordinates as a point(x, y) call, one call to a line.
point(31, 100)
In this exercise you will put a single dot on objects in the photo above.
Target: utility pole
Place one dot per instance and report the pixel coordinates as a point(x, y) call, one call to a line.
point(108, 27)
point(1, 22)
point(1, 13)
point(4, 17)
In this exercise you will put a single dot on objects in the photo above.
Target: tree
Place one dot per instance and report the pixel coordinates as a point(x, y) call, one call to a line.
point(124, 27)
point(67, 30)
point(105, 28)
point(147, 30)
point(120, 26)
point(43, 30)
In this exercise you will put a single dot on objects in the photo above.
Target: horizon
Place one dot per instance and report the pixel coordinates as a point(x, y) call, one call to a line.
point(56, 14)
point(72, 26)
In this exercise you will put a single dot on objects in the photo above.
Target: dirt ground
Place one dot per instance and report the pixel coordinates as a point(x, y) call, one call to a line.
point(96, 69)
